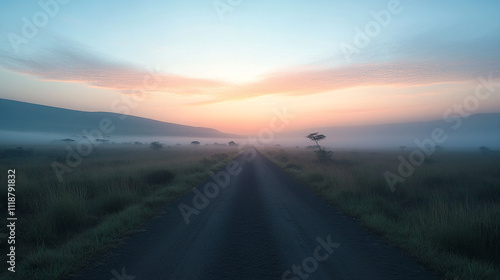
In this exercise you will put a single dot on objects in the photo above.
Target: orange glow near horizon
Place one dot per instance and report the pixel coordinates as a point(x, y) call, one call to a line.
point(180, 63)
point(347, 107)
point(246, 115)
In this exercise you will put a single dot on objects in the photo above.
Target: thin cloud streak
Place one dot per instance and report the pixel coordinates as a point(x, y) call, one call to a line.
point(361, 75)
point(67, 63)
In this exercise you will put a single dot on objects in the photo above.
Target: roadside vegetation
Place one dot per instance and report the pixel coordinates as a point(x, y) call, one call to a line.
point(446, 215)
point(62, 226)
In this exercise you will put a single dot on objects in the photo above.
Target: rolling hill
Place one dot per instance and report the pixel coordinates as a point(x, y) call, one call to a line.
point(23, 117)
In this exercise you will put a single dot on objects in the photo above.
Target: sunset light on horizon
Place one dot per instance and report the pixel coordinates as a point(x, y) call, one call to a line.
point(229, 65)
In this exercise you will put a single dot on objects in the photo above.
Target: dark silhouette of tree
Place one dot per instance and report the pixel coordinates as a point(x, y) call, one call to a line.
point(195, 143)
point(232, 144)
point(155, 145)
point(316, 138)
point(67, 140)
point(323, 156)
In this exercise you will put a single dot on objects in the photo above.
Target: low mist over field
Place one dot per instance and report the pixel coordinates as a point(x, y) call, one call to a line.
point(458, 133)
point(24, 123)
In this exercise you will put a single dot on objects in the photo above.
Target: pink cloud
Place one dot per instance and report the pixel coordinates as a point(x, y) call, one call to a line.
point(361, 75)
point(69, 65)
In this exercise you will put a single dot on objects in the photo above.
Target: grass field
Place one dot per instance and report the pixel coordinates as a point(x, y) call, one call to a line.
point(446, 215)
point(113, 191)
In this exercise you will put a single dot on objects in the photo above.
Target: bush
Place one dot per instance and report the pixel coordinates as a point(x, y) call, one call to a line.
point(155, 145)
point(232, 144)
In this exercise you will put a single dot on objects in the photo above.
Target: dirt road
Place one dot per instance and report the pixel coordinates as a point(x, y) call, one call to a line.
point(257, 223)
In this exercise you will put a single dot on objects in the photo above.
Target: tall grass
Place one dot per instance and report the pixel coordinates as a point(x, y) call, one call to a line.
point(446, 215)
point(63, 225)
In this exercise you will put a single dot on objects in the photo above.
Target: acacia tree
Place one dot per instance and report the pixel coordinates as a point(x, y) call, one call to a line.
point(316, 138)
point(323, 156)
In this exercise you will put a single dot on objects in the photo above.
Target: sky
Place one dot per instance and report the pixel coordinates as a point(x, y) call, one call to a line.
point(232, 64)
